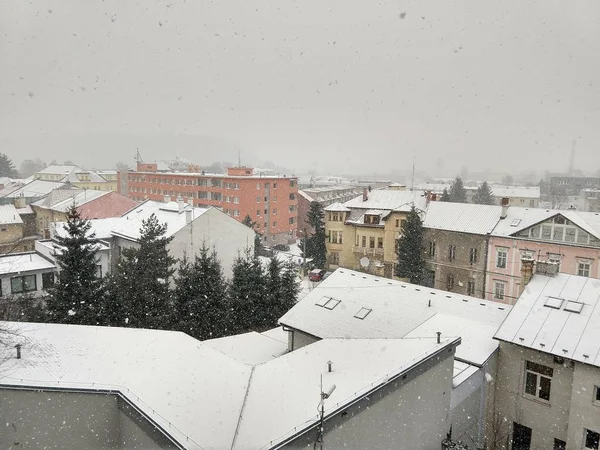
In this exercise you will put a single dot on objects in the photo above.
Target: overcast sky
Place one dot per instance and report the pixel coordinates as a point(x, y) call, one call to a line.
point(344, 85)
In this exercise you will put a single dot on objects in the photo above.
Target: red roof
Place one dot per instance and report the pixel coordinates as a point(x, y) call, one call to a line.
point(110, 205)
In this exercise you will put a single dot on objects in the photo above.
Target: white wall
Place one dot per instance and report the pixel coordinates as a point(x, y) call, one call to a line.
point(405, 415)
point(585, 413)
point(6, 285)
point(215, 228)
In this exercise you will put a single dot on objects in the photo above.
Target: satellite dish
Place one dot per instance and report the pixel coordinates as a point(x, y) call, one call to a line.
point(364, 262)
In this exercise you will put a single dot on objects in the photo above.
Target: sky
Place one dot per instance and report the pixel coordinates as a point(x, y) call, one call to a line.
point(338, 86)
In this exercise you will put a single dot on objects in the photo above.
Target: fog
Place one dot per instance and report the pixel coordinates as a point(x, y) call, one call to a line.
point(335, 86)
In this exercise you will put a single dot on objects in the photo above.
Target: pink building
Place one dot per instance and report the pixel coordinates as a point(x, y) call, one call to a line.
point(570, 239)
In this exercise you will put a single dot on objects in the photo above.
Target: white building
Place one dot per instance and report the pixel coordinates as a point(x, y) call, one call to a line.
point(99, 387)
point(49, 249)
point(354, 305)
point(548, 381)
point(190, 228)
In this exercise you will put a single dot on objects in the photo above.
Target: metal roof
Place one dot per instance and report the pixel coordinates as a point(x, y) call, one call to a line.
point(559, 331)
point(36, 188)
point(23, 262)
point(397, 310)
point(226, 402)
point(61, 199)
point(9, 215)
point(462, 217)
point(337, 207)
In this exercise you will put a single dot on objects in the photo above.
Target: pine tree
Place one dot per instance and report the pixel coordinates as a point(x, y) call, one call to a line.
point(289, 288)
point(247, 292)
point(483, 195)
point(7, 168)
point(77, 296)
point(142, 278)
point(274, 291)
point(315, 244)
point(411, 264)
point(445, 196)
point(257, 236)
point(201, 308)
point(458, 193)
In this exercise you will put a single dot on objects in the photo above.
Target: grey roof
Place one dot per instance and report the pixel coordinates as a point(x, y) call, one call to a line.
point(389, 199)
point(397, 310)
point(462, 217)
point(62, 199)
point(558, 329)
point(35, 189)
point(337, 207)
point(9, 215)
point(24, 262)
point(203, 397)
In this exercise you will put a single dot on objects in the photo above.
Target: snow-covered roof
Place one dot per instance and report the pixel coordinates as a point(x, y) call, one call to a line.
point(23, 262)
point(9, 215)
point(57, 169)
point(204, 398)
point(102, 228)
point(129, 224)
point(250, 348)
point(389, 199)
point(36, 188)
point(519, 218)
point(277, 334)
point(395, 309)
point(559, 315)
point(463, 217)
point(305, 195)
point(51, 247)
point(513, 191)
point(337, 207)
point(60, 200)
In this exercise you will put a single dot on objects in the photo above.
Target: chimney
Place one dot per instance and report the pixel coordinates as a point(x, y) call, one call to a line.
point(180, 204)
point(433, 197)
point(526, 272)
point(365, 194)
point(167, 198)
point(329, 364)
point(188, 216)
point(504, 204)
point(18, 347)
point(20, 201)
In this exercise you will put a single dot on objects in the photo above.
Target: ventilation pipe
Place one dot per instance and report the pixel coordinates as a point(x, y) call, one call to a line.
point(504, 204)
point(180, 204)
point(18, 347)
point(365, 194)
point(329, 366)
point(188, 216)
point(439, 334)
point(167, 199)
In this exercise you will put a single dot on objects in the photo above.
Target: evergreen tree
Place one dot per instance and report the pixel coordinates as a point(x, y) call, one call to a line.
point(289, 288)
point(7, 168)
point(257, 236)
point(483, 195)
point(411, 264)
point(77, 296)
point(458, 193)
point(315, 244)
point(201, 307)
point(141, 284)
point(274, 291)
point(247, 292)
point(445, 196)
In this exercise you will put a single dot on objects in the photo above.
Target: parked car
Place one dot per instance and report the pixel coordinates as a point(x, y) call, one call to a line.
point(326, 275)
point(316, 274)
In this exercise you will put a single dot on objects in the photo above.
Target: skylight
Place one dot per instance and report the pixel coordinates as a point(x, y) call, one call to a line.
point(554, 302)
point(332, 303)
point(515, 223)
point(574, 307)
point(364, 312)
point(323, 301)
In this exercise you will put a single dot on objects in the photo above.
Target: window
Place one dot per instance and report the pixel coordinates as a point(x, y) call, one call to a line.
point(471, 287)
point(364, 241)
point(274, 185)
point(597, 394)
point(501, 258)
point(534, 232)
point(570, 234)
point(582, 237)
point(402, 224)
point(98, 271)
point(371, 242)
point(449, 282)
point(292, 220)
point(583, 268)
point(473, 255)
point(274, 211)
point(557, 234)
point(334, 258)
point(25, 283)
point(559, 445)
point(257, 186)
point(258, 213)
point(397, 223)
point(275, 223)
point(292, 196)
point(257, 199)
point(236, 199)
point(47, 280)
point(592, 439)
point(499, 290)
point(292, 208)
point(379, 242)
point(538, 379)
point(521, 439)
point(546, 231)
point(431, 249)
point(451, 252)
point(335, 237)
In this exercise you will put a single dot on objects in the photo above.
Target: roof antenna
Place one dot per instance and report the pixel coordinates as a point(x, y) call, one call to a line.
point(412, 184)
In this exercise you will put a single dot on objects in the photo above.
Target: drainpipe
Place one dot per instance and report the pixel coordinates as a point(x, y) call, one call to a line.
point(487, 246)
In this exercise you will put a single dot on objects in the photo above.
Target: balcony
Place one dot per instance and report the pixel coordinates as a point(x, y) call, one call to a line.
point(366, 251)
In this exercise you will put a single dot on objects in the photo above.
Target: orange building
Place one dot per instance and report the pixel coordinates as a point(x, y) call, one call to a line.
point(270, 201)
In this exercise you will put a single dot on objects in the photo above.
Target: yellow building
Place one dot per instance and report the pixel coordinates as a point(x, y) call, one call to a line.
point(78, 177)
point(362, 234)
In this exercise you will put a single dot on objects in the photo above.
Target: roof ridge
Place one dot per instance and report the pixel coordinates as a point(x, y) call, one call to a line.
point(239, 421)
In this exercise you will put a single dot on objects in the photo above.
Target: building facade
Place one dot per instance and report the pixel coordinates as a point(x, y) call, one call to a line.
point(270, 202)
point(363, 233)
point(78, 177)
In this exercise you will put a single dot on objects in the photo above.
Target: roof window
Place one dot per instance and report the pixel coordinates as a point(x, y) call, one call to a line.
point(574, 307)
point(362, 313)
point(515, 223)
point(554, 302)
point(332, 303)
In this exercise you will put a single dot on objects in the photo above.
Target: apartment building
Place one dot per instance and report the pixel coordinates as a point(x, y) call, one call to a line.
point(456, 240)
point(362, 234)
point(326, 195)
point(568, 239)
point(269, 201)
point(78, 177)
point(548, 380)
